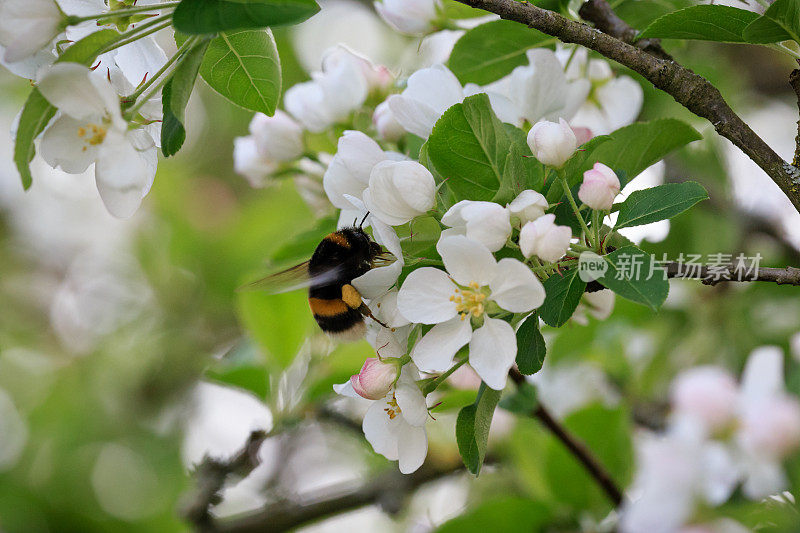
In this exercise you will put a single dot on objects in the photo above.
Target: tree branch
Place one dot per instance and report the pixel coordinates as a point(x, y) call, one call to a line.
point(211, 475)
point(388, 490)
point(794, 81)
point(575, 446)
point(602, 15)
point(713, 274)
point(687, 88)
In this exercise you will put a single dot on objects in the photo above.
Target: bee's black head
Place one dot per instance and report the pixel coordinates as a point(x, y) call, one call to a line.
point(361, 243)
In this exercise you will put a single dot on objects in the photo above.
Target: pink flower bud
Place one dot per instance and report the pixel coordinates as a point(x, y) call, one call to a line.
point(599, 188)
point(584, 135)
point(771, 427)
point(707, 394)
point(552, 143)
point(375, 379)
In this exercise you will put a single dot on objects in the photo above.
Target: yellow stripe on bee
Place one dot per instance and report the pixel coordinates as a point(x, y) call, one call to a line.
point(338, 238)
point(322, 307)
point(351, 296)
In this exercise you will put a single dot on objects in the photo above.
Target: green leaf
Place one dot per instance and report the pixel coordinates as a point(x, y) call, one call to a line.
point(780, 22)
point(469, 146)
point(488, 52)
point(279, 323)
point(508, 514)
point(244, 67)
point(703, 22)
point(472, 428)
point(212, 16)
point(175, 96)
point(634, 148)
point(37, 111)
point(419, 237)
point(243, 367)
point(530, 346)
point(659, 203)
point(523, 401)
point(563, 293)
point(628, 270)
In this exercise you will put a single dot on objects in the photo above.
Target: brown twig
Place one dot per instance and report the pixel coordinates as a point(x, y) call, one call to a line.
point(687, 88)
point(794, 81)
point(575, 446)
point(713, 274)
point(211, 475)
point(600, 13)
point(388, 490)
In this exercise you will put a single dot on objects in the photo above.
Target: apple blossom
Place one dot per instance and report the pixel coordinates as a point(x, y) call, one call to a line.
point(528, 205)
point(552, 143)
point(399, 191)
point(91, 130)
point(452, 300)
point(708, 394)
point(350, 169)
point(413, 17)
point(278, 137)
point(375, 379)
point(599, 188)
point(544, 238)
point(27, 26)
point(430, 92)
point(386, 123)
point(540, 90)
point(250, 163)
point(395, 424)
point(486, 223)
point(598, 304)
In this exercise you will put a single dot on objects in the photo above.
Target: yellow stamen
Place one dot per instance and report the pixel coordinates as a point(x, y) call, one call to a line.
point(92, 134)
point(469, 301)
point(393, 410)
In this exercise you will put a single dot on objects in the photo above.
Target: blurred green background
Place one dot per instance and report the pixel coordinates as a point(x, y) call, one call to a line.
point(116, 335)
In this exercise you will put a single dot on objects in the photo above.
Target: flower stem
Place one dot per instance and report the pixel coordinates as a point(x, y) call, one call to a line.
point(575, 208)
point(73, 20)
point(151, 26)
point(184, 47)
point(433, 385)
point(596, 228)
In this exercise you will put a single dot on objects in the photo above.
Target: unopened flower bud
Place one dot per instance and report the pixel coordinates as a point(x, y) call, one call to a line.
point(545, 239)
point(552, 143)
point(399, 191)
point(375, 379)
point(413, 17)
point(386, 123)
point(528, 205)
point(708, 394)
point(599, 188)
point(278, 138)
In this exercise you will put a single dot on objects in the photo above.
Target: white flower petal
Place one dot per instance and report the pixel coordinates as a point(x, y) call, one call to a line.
point(386, 235)
point(515, 288)
point(467, 261)
point(140, 58)
point(61, 146)
point(411, 402)
point(71, 88)
point(765, 477)
point(379, 431)
point(412, 447)
point(123, 175)
point(425, 296)
point(414, 116)
point(378, 280)
point(434, 352)
point(345, 389)
point(763, 374)
point(385, 309)
point(492, 352)
point(487, 223)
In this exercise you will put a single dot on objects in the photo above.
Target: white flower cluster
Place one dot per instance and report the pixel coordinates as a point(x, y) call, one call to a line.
point(720, 434)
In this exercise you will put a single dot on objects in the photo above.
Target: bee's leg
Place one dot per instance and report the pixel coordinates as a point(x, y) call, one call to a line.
point(352, 298)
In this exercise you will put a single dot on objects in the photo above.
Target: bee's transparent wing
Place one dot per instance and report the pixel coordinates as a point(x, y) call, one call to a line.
point(291, 279)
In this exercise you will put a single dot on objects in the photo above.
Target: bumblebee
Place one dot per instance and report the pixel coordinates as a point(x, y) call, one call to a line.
point(336, 305)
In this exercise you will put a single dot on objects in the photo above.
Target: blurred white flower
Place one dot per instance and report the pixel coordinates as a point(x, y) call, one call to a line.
point(249, 162)
point(599, 188)
point(453, 299)
point(412, 17)
point(486, 223)
point(434, 49)
point(277, 137)
point(545, 239)
point(708, 394)
point(430, 92)
point(527, 206)
point(599, 304)
point(14, 430)
point(770, 422)
point(585, 380)
point(540, 90)
point(399, 191)
point(332, 94)
point(386, 123)
point(552, 143)
point(395, 424)
point(28, 26)
point(91, 130)
point(375, 379)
